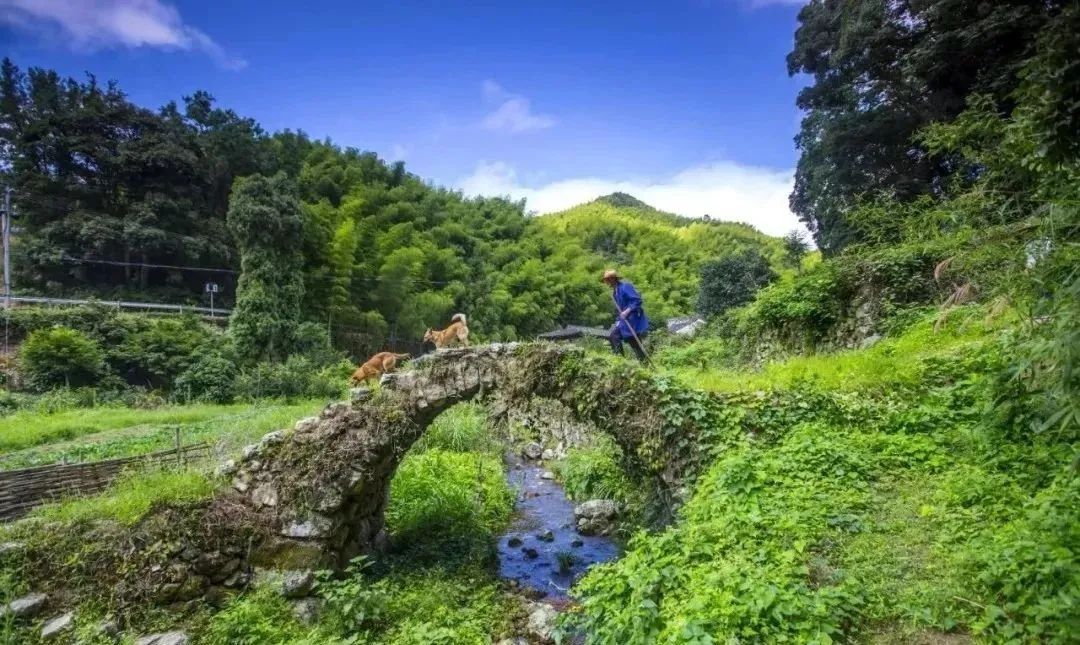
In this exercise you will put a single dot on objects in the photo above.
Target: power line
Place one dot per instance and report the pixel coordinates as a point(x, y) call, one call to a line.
point(67, 258)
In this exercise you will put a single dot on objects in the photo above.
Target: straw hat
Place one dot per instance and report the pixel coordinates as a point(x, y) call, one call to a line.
point(610, 274)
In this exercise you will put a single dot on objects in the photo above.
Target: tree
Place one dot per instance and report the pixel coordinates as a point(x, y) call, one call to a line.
point(60, 357)
point(265, 222)
point(882, 71)
point(795, 247)
point(732, 281)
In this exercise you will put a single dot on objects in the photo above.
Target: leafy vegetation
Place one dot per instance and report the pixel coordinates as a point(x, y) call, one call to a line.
point(882, 446)
point(129, 498)
point(888, 512)
point(264, 219)
point(881, 73)
point(381, 255)
point(732, 281)
point(60, 356)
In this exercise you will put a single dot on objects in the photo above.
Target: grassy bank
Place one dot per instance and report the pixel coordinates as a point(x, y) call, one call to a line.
point(881, 499)
point(105, 433)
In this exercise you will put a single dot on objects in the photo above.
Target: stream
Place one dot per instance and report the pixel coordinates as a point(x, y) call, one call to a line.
point(541, 549)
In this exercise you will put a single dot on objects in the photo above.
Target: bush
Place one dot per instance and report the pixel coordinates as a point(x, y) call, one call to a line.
point(156, 355)
point(60, 356)
point(732, 281)
point(297, 377)
point(313, 341)
point(594, 473)
point(211, 378)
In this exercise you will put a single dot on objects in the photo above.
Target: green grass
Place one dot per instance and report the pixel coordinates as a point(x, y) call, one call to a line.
point(900, 512)
point(24, 429)
point(228, 427)
point(462, 428)
point(448, 504)
point(128, 499)
point(892, 363)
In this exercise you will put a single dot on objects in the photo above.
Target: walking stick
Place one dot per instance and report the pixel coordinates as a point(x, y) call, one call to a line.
point(633, 333)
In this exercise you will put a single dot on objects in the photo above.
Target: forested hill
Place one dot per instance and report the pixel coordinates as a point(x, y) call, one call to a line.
point(117, 200)
point(661, 253)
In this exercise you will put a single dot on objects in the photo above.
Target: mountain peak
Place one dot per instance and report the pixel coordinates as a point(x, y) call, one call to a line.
point(624, 200)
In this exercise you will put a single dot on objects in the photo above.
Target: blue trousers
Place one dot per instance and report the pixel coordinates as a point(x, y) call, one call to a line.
point(616, 340)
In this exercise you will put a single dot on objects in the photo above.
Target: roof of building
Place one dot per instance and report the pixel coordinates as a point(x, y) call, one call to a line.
point(570, 332)
point(675, 324)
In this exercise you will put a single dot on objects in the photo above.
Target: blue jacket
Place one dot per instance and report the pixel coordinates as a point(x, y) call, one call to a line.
point(627, 297)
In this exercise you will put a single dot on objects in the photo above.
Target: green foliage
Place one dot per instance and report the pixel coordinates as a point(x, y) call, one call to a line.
point(844, 516)
point(38, 439)
point(462, 428)
point(732, 281)
point(862, 110)
point(426, 607)
point(157, 355)
point(131, 497)
point(60, 356)
point(449, 502)
point(704, 352)
point(596, 472)
point(138, 350)
point(381, 254)
point(806, 306)
point(297, 377)
point(265, 220)
point(211, 378)
point(259, 617)
point(795, 248)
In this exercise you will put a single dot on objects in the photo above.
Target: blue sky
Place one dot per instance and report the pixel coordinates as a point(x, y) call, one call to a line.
point(684, 103)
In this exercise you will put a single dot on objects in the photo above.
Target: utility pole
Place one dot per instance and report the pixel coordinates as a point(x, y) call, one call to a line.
point(6, 224)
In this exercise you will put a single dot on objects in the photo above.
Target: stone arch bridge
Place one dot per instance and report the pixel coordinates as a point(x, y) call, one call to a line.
point(314, 496)
point(324, 485)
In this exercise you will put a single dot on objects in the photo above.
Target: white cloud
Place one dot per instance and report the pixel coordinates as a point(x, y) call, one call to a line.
point(756, 4)
point(724, 190)
point(97, 24)
point(398, 152)
point(513, 112)
point(752, 4)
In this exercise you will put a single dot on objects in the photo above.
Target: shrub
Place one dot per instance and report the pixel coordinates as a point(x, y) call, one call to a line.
point(297, 377)
point(210, 378)
point(416, 608)
point(60, 356)
point(156, 355)
point(594, 473)
point(732, 281)
point(313, 341)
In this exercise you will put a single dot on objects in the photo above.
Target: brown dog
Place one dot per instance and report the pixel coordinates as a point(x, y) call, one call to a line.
point(376, 366)
point(458, 330)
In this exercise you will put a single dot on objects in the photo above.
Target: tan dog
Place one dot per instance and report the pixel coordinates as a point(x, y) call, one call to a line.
point(458, 330)
point(376, 366)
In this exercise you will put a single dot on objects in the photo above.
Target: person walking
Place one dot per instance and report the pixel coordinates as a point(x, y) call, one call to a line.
point(632, 323)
